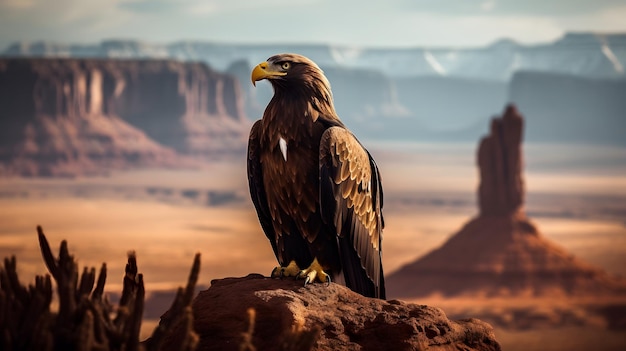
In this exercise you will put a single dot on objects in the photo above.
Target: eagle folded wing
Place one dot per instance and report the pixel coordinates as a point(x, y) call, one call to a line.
point(257, 190)
point(351, 198)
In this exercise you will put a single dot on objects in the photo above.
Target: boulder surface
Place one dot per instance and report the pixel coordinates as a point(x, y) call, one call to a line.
point(344, 319)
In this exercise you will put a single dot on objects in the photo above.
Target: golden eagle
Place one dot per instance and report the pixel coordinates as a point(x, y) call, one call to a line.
point(316, 189)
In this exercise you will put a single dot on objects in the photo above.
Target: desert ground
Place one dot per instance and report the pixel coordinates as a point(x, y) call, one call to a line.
point(576, 196)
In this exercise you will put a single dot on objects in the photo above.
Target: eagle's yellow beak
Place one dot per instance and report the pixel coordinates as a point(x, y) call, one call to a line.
point(264, 70)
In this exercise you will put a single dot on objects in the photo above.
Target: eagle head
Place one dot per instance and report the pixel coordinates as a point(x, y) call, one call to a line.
point(294, 73)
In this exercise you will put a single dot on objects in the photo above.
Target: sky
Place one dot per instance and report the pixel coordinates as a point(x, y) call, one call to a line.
point(390, 23)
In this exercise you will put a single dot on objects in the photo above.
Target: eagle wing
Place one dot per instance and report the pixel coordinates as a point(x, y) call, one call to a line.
point(351, 201)
point(257, 189)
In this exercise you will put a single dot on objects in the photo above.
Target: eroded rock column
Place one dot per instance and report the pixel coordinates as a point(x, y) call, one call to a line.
point(501, 190)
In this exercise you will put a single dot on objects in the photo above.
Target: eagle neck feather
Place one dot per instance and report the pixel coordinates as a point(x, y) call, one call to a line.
point(296, 108)
point(286, 120)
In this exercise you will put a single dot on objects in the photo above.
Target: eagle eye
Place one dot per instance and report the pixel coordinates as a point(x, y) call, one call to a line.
point(285, 65)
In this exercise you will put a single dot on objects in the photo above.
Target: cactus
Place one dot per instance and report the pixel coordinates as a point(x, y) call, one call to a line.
point(83, 320)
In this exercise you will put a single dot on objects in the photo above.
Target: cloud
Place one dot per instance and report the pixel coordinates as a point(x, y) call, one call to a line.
point(349, 22)
point(17, 4)
point(607, 20)
point(152, 6)
point(45, 13)
point(488, 5)
point(206, 7)
point(59, 21)
point(417, 29)
point(508, 7)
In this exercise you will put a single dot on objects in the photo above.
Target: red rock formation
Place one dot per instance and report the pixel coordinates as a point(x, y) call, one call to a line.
point(501, 252)
point(58, 115)
point(63, 146)
point(500, 256)
point(346, 320)
point(501, 191)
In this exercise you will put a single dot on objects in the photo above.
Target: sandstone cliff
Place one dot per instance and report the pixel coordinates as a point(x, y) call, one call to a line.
point(344, 320)
point(501, 252)
point(81, 115)
point(569, 109)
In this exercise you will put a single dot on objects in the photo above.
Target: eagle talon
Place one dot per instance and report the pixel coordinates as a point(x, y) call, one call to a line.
point(277, 272)
point(315, 271)
point(308, 279)
point(291, 270)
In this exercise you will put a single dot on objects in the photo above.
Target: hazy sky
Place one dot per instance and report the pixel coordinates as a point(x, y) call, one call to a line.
point(351, 22)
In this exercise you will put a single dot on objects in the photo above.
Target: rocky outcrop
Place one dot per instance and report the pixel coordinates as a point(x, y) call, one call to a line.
point(501, 252)
point(60, 115)
point(501, 190)
point(596, 55)
point(257, 96)
point(500, 256)
point(571, 96)
point(562, 108)
point(62, 147)
point(345, 320)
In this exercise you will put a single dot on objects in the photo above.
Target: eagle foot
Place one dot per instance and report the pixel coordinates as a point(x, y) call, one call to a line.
point(315, 271)
point(291, 270)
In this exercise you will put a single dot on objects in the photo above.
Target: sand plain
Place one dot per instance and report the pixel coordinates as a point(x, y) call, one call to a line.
point(167, 216)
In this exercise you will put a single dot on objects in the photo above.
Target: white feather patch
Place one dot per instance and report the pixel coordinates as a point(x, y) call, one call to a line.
point(283, 147)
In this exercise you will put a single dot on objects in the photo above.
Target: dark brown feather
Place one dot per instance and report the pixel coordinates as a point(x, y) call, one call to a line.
point(257, 190)
point(350, 175)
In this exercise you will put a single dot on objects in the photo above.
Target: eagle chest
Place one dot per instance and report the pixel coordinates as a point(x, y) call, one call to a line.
point(291, 179)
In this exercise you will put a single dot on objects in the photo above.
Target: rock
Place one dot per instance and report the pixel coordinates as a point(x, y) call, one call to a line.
point(501, 256)
point(501, 190)
point(73, 116)
point(559, 106)
point(67, 147)
point(501, 252)
point(346, 320)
